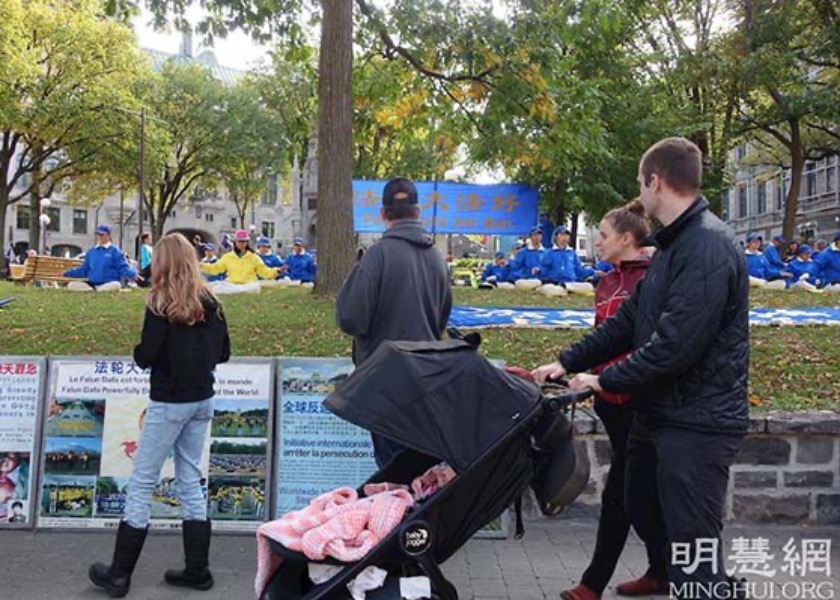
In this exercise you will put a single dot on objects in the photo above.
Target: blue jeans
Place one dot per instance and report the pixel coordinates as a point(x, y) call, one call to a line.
point(178, 427)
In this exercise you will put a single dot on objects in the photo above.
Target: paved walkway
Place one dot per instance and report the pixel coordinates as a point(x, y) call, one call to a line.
point(551, 557)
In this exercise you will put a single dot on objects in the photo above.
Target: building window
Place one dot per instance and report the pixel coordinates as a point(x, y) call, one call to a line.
point(55, 219)
point(312, 203)
point(742, 201)
point(829, 179)
point(208, 218)
point(22, 217)
point(80, 221)
point(267, 229)
point(269, 197)
point(762, 197)
point(780, 194)
point(233, 222)
point(810, 179)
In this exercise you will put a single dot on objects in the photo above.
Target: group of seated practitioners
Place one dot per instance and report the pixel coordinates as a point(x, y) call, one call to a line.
point(805, 268)
point(555, 271)
point(241, 268)
point(246, 271)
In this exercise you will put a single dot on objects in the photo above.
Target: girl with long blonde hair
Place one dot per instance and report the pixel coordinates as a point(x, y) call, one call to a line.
point(184, 337)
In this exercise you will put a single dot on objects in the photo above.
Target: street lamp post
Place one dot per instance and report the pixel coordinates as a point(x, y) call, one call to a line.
point(44, 220)
point(141, 174)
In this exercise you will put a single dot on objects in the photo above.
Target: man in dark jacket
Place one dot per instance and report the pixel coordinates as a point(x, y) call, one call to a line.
point(399, 290)
point(686, 327)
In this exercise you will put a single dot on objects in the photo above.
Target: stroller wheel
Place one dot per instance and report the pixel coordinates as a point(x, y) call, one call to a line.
point(450, 593)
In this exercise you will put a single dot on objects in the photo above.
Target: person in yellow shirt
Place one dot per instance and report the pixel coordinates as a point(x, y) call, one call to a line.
point(242, 266)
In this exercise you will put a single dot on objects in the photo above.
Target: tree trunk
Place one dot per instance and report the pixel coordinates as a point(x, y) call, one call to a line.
point(797, 166)
point(573, 233)
point(334, 235)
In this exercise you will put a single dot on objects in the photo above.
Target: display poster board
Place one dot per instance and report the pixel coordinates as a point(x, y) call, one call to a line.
point(92, 430)
point(21, 386)
point(315, 451)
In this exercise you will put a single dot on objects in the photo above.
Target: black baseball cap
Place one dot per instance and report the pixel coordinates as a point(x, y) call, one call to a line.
point(399, 192)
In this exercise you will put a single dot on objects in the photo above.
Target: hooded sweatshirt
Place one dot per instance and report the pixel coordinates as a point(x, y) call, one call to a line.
point(398, 291)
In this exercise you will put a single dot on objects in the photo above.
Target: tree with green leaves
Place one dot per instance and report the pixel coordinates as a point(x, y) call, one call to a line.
point(63, 72)
point(253, 146)
point(791, 111)
point(190, 105)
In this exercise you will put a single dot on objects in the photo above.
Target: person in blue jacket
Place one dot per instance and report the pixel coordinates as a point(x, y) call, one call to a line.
point(829, 265)
point(301, 265)
point(104, 265)
point(771, 252)
point(759, 268)
point(269, 258)
point(526, 265)
point(547, 228)
point(497, 271)
point(803, 270)
point(210, 258)
point(561, 264)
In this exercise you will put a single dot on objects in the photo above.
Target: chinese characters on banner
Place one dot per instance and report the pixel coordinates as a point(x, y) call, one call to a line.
point(455, 207)
point(315, 451)
point(20, 390)
point(93, 424)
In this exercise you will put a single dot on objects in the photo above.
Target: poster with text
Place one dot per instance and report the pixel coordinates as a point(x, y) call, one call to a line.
point(315, 451)
point(92, 435)
point(21, 380)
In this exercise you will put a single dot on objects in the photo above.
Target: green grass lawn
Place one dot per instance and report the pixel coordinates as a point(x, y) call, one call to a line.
point(792, 368)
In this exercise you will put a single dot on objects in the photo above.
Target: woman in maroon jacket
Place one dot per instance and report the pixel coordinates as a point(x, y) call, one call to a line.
point(622, 232)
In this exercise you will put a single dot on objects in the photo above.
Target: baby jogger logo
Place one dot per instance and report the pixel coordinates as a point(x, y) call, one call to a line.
point(802, 565)
point(416, 539)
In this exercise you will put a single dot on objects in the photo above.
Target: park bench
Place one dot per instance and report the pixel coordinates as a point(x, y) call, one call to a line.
point(44, 268)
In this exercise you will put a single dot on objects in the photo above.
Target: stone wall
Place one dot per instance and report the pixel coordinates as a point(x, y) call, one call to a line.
point(787, 471)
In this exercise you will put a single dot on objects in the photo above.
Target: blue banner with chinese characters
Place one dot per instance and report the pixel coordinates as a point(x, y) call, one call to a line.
point(455, 207)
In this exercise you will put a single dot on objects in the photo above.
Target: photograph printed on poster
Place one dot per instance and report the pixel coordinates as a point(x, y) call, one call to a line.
point(18, 509)
point(121, 435)
point(240, 457)
point(110, 496)
point(239, 418)
point(73, 456)
point(14, 485)
point(124, 418)
point(67, 496)
point(75, 418)
point(236, 498)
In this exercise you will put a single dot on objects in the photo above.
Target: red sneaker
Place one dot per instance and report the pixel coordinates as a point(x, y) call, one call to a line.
point(580, 592)
point(644, 586)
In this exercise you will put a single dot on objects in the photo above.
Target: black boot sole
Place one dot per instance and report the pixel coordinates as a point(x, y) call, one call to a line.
point(202, 586)
point(112, 590)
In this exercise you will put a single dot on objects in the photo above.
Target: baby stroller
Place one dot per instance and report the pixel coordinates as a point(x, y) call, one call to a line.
point(445, 402)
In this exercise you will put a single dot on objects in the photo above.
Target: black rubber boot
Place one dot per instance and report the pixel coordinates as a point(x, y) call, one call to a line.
point(196, 575)
point(116, 579)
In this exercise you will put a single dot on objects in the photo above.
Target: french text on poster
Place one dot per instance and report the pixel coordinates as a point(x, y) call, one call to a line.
point(316, 452)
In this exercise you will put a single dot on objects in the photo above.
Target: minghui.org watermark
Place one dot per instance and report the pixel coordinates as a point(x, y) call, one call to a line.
point(805, 567)
point(754, 590)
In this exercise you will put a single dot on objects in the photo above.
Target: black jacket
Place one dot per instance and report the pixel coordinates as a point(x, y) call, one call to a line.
point(398, 291)
point(687, 327)
point(183, 358)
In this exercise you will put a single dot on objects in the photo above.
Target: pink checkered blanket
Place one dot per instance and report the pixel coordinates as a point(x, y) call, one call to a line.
point(336, 524)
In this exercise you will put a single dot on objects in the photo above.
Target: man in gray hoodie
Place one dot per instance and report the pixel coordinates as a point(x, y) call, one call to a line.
point(399, 290)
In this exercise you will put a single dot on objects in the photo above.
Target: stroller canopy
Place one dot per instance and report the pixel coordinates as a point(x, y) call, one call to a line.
point(443, 399)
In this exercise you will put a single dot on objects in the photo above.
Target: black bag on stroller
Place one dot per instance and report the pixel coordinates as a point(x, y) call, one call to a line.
point(445, 402)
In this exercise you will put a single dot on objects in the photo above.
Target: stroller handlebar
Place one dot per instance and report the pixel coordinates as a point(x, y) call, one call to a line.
point(564, 397)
